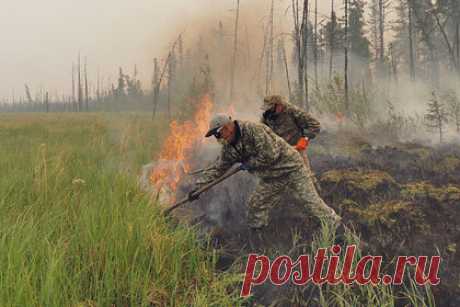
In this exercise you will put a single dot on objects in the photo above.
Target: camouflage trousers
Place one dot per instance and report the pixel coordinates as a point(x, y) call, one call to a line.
point(306, 161)
point(300, 189)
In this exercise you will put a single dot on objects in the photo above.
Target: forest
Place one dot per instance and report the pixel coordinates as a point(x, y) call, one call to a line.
point(88, 171)
point(395, 62)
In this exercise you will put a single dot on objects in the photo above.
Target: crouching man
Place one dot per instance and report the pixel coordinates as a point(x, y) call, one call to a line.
point(276, 163)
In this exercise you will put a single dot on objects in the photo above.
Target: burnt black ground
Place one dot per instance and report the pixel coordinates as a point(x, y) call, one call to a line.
point(402, 198)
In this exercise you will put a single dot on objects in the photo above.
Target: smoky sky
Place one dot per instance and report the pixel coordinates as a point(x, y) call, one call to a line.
point(41, 39)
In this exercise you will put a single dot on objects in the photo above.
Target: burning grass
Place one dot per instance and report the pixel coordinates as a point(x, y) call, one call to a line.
point(173, 160)
point(75, 230)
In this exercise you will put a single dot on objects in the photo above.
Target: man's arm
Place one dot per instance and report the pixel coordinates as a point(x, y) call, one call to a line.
point(309, 125)
point(220, 166)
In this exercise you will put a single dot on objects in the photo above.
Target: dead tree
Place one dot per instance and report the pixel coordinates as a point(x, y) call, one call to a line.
point(304, 35)
point(171, 80)
point(282, 51)
point(47, 108)
point(301, 43)
point(235, 51)
point(346, 60)
point(446, 40)
point(28, 95)
point(181, 53)
point(98, 86)
point(423, 23)
point(73, 87)
point(411, 44)
point(315, 47)
point(394, 68)
point(332, 38)
point(155, 85)
point(160, 76)
point(79, 105)
point(269, 55)
point(381, 34)
point(298, 46)
point(86, 89)
point(457, 40)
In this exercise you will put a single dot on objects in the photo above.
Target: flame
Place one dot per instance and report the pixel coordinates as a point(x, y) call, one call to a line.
point(176, 148)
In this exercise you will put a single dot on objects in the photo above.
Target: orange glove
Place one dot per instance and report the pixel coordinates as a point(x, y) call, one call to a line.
point(302, 144)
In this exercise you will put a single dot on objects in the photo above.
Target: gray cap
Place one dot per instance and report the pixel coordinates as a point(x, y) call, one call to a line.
point(217, 122)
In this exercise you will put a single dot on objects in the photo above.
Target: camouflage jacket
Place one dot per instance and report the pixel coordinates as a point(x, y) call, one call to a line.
point(265, 154)
point(292, 124)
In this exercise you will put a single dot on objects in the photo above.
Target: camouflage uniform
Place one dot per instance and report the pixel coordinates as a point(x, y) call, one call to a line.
point(278, 166)
point(291, 124)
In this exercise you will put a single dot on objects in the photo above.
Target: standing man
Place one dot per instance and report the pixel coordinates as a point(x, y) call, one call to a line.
point(276, 163)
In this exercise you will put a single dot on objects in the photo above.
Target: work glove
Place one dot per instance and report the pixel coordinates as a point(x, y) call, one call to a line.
point(302, 143)
point(192, 195)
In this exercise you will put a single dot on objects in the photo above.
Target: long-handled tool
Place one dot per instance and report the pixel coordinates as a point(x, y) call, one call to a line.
point(203, 189)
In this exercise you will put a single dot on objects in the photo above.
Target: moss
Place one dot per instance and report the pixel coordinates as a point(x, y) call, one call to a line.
point(381, 213)
point(425, 190)
point(362, 187)
point(452, 248)
point(367, 181)
point(448, 164)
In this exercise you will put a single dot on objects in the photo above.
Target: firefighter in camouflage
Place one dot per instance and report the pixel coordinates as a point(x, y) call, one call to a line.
point(276, 163)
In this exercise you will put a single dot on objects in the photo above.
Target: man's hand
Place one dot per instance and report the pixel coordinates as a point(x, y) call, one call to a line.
point(302, 143)
point(192, 195)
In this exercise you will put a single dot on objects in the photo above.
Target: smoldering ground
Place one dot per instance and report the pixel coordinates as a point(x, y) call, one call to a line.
point(386, 193)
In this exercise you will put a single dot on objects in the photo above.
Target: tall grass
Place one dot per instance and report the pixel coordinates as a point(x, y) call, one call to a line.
point(75, 230)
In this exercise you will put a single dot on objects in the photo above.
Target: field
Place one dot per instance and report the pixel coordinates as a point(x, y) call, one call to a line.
point(75, 230)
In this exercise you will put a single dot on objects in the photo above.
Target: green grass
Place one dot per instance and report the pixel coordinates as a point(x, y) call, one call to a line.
point(75, 230)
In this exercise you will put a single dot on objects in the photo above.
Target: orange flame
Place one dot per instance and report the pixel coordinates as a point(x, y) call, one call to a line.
point(177, 146)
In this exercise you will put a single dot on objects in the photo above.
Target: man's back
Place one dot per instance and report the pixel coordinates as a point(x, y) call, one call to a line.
point(265, 153)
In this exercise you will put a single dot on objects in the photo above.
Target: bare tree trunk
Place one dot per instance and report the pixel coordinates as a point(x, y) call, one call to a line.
point(286, 67)
point(347, 107)
point(98, 86)
point(46, 102)
point(171, 80)
point(332, 39)
point(446, 39)
point(298, 46)
point(73, 87)
point(426, 35)
point(160, 76)
point(411, 44)
point(457, 39)
point(169, 90)
point(235, 51)
point(79, 107)
point(156, 90)
point(269, 57)
point(86, 89)
point(181, 53)
point(394, 69)
point(315, 50)
point(305, 51)
point(381, 36)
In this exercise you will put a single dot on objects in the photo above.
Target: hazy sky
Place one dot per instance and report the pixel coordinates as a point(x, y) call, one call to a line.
point(41, 38)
